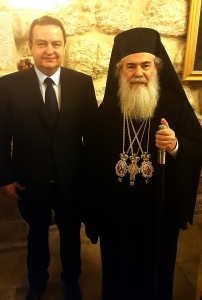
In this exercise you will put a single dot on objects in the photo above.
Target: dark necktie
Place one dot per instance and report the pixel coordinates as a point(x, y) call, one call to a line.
point(51, 104)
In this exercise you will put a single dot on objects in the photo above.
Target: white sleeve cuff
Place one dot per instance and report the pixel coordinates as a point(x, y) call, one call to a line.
point(173, 152)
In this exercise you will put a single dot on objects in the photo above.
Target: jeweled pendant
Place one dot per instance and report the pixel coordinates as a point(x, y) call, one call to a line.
point(121, 166)
point(146, 167)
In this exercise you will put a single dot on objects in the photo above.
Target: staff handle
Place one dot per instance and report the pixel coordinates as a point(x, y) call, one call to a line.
point(162, 152)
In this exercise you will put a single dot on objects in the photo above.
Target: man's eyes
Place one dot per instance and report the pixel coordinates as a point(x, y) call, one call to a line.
point(56, 45)
point(43, 44)
point(145, 66)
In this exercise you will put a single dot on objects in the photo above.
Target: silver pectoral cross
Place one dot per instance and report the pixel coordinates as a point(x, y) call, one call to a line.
point(133, 168)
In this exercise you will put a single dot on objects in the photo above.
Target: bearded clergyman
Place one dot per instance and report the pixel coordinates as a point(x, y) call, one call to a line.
point(142, 93)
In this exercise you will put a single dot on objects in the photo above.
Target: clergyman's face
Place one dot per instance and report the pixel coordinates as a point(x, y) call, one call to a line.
point(138, 86)
point(47, 48)
point(138, 68)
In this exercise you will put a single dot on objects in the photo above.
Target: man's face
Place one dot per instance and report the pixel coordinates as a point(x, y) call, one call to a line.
point(47, 48)
point(138, 68)
point(138, 86)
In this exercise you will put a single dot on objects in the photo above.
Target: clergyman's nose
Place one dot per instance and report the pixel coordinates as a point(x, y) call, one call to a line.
point(138, 72)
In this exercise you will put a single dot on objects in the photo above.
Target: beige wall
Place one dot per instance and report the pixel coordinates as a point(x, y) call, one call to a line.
point(91, 26)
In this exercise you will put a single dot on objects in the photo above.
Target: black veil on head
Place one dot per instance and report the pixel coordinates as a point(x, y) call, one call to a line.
point(138, 40)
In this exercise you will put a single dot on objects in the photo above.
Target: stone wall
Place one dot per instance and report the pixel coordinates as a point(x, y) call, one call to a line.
point(91, 26)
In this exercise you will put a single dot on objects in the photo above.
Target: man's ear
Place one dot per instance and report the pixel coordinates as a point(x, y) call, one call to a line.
point(30, 45)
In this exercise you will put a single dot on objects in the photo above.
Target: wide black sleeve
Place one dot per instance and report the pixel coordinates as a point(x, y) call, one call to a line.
point(89, 198)
point(183, 173)
point(188, 163)
point(89, 114)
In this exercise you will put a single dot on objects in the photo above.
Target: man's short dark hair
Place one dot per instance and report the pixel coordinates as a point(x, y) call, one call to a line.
point(46, 20)
point(157, 61)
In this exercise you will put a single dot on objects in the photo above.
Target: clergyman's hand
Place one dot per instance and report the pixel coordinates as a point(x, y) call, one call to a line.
point(9, 191)
point(165, 138)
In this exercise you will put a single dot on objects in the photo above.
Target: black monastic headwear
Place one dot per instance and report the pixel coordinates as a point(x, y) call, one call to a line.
point(138, 40)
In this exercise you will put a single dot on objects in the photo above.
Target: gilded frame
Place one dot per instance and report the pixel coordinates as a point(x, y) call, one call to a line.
point(195, 22)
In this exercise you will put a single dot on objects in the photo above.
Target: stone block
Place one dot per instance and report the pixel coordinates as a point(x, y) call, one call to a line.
point(190, 97)
point(12, 234)
point(88, 56)
point(8, 210)
point(168, 17)
point(179, 59)
point(22, 20)
point(200, 186)
point(23, 49)
point(99, 91)
point(13, 229)
point(117, 20)
point(7, 45)
point(74, 18)
point(4, 5)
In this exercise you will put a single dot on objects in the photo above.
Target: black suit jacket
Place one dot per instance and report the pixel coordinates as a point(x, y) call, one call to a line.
point(35, 145)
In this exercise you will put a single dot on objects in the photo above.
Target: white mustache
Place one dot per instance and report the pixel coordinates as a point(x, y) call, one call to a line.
point(138, 79)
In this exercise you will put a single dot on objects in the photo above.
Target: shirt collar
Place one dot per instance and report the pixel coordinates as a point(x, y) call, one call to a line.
point(55, 77)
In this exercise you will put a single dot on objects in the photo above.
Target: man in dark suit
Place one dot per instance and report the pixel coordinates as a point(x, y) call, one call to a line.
point(46, 168)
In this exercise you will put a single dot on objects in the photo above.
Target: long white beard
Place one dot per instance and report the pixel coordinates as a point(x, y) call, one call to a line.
point(140, 101)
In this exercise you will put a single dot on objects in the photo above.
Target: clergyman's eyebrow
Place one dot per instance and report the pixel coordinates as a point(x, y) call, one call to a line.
point(142, 63)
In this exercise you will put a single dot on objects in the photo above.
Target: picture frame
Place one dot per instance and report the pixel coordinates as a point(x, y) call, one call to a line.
point(193, 53)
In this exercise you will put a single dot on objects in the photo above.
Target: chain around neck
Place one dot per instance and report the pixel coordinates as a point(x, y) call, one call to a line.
point(139, 142)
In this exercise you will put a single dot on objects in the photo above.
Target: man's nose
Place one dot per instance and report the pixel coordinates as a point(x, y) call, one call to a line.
point(138, 72)
point(49, 49)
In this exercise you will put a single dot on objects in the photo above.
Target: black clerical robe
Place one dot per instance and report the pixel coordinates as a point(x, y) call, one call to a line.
point(125, 217)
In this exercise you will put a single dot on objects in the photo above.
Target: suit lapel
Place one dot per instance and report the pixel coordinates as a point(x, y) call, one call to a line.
point(31, 87)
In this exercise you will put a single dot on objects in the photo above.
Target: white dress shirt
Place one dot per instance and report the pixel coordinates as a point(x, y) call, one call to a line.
point(56, 85)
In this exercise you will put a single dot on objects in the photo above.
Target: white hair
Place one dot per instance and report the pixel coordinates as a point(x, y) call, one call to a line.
point(140, 101)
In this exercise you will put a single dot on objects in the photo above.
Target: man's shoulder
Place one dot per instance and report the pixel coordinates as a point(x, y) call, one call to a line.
point(166, 93)
point(171, 97)
point(67, 71)
point(173, 102)
point(17, 74)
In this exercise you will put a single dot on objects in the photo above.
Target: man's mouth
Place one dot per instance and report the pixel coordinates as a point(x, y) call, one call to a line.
point(138, 80)
point(49, 58)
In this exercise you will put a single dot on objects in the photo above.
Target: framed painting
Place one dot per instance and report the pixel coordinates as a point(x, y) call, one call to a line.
point(193, 54)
